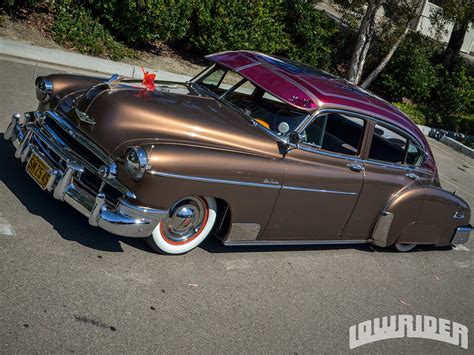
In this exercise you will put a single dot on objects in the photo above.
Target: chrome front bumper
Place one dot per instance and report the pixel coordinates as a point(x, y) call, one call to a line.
point(29, 134)
point(461, 235)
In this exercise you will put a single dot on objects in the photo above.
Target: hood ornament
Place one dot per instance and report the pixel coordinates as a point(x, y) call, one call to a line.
point(84, 117)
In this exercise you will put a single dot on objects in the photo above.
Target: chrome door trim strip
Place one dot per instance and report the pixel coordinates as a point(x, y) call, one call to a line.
point(218, 181)
point(294, 188)
point(242, 183)
point(292, 242)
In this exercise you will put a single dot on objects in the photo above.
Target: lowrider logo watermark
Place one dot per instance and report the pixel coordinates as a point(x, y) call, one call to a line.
point(400, 326)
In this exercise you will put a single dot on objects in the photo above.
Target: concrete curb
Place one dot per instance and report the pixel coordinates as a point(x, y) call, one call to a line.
point(458, 146)
point(461, 148)
point(68, 60)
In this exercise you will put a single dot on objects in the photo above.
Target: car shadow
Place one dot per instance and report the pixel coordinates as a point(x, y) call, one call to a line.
point(69, 223)
point(213, 245)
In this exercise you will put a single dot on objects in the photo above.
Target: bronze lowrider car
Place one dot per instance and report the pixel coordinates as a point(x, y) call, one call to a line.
point(255, 149)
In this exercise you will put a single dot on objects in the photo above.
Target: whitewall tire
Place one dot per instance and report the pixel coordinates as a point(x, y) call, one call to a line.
point(189, 222)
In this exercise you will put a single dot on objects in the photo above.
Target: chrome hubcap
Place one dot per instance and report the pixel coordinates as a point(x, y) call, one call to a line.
point(184, 219)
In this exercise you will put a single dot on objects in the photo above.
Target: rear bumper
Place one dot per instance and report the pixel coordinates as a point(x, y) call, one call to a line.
point(30, 135)
point(461, 235)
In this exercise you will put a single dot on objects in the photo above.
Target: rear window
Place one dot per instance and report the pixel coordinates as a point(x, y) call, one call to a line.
point(389, 146)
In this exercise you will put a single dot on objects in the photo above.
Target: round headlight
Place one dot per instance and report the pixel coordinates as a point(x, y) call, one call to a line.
point(136, 162)
point(44, 88)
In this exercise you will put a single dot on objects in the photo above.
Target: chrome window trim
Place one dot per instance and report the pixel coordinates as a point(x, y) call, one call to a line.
point(387, 164)
point(359, 115)
point(313, 149)
point(293, 188)
point(358, 158)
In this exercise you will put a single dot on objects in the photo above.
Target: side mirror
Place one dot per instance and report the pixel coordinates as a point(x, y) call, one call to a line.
point(294, 137)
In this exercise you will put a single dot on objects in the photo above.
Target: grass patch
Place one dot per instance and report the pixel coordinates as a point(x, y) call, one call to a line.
point(75, 27)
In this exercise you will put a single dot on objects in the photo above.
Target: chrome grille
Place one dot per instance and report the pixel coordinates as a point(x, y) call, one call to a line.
point(60, 142)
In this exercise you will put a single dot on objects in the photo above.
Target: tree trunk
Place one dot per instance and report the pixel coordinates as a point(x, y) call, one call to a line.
point(364, 37)
point(457, 37)
point(375, 73)
point(453, 49)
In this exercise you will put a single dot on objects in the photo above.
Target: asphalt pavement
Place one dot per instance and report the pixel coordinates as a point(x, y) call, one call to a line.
point(68, 287)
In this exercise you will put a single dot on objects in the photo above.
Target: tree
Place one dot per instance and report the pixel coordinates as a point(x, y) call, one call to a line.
point(461, 14)
point(395, 24)
point(352, 10)
point(407, 12)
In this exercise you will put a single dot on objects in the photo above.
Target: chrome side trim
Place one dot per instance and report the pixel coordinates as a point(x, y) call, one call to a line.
point(380, 233)
point(242, 183)
point(243, 232)
point(294, 188)
point(292, 242)
point(461, 235)
point(218, 181)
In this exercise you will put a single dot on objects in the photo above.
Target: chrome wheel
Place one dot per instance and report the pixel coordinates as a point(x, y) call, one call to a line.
point(185, 220)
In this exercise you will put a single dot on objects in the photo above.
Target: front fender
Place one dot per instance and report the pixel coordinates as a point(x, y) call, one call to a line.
point(248, 183)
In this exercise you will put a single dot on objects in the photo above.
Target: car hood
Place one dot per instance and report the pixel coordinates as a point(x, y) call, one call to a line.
point(129, 116)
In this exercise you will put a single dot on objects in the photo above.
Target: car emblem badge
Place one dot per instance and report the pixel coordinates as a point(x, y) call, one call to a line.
point(84, 117)
point(271, 181)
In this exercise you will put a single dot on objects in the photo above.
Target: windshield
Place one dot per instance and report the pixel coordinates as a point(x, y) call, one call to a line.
point(256, 103)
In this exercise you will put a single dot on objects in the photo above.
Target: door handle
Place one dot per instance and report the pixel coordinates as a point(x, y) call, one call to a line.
point(412, 176)
point(355, 167)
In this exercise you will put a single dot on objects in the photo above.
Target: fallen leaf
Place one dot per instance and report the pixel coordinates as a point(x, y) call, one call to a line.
point(406, 304)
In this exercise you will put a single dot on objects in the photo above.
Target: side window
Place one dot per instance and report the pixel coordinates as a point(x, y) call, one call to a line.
point(335, 132)
point(415, 156)
point(213, 80)
point(219, 80)
point(387, 146)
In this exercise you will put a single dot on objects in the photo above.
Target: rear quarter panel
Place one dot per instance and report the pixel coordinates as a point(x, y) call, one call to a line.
point(425, 215)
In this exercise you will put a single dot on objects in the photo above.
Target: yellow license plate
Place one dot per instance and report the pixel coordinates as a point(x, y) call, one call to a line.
point(38, 170)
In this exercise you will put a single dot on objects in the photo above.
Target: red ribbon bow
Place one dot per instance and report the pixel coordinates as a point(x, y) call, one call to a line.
point(148, 80)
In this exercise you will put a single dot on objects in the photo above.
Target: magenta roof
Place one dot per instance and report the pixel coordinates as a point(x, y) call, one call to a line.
point(310, 89)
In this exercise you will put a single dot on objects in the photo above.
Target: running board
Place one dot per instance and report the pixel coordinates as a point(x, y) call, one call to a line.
point(292, 242)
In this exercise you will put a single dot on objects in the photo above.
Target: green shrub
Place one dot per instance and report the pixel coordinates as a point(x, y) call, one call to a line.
point(416, 113)
point(430, 116)
point(455, 93)
point(76, 28)
point(11, 4)
point(410, 73)
point(311, 33)
point(219, 25)
point(145, 20)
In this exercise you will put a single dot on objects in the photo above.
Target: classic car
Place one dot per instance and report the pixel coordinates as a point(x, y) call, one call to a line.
point(255, 150)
